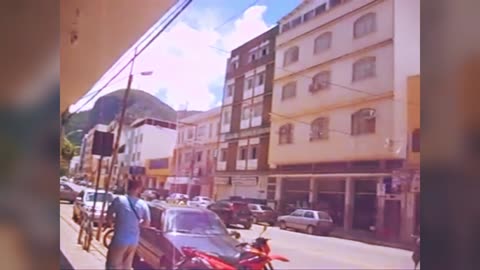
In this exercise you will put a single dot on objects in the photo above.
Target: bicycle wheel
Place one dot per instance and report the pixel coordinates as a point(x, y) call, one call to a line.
point(107, 237)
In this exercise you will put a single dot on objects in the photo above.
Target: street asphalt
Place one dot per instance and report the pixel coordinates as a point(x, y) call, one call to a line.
point(316, 252)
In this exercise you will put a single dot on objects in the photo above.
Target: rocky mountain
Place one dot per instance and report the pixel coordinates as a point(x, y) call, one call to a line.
point(107, 108)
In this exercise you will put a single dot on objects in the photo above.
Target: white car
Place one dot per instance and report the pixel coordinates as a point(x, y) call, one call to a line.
point(200, 201)
point(177, 197)
point(84, 201)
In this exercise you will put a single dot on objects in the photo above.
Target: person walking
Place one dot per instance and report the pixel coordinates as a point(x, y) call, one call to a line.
point(128, 213)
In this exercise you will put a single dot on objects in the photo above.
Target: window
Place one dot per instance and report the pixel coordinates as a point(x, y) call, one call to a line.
point(252, 57)
point(416, 141)
point(188, 156)
point(295, 22)
point(286, 27)
point(319, 129)
point(260, 78)
point(309, 15)
point(290, 56)
point(320, 9)
point(257, 109)
point(253, 152)
point(364, 25)
point(249, 83)
point(364, 68)
point(223, 155)
point(226, 117)
point(320, 81)
point(141, 138)
point(264, 51)
point(234, 64)
point(201, 131)
point(363, 122)
point(309, 214)
point(289, 90)
point(242, 153)
point(246, 113)
point(199, 156)
point(229, 92)
point(286, 134)
point(334, 3)
point(190, 133)
point(322, 42)
point(210, 130)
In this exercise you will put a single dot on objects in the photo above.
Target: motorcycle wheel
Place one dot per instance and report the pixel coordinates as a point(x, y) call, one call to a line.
point(268, 266)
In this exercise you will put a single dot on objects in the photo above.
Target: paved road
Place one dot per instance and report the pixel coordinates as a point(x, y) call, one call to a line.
point(316, 252)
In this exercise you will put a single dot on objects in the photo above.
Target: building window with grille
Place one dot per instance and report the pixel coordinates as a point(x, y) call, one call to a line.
point(257, 109)
point(253, 152)
point(260, 79)
point(290, 56)
point(229, 90)
point(289, 90)
point(364, 68)
point(363, 121)
point(223, 155)
point(249, 83)
point(416, 141)
point(319, 129)
point(322, 43)
point(320, 81)
point(365, 25)
point(242, 153)
point(246, 113)
point(286, 134)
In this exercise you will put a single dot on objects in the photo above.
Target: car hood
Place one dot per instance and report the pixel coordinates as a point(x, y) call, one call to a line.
point(222, 245)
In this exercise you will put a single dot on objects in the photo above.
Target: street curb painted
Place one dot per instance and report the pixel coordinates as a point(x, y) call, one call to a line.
point(95, 244)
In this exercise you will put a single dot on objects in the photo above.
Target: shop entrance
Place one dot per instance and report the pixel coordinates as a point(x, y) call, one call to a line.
point(365, 205)
point(331, 198)
point(295, 194)
point(392, 219)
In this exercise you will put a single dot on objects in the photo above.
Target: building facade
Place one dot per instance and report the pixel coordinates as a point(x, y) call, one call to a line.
point(242, 165)
point(195, 153)
point(339, 111)
point(147, 139)
point(74, 167)
point(89, 161)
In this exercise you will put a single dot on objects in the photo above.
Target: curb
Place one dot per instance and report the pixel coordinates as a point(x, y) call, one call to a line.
point(373, 242)
point(95, 244)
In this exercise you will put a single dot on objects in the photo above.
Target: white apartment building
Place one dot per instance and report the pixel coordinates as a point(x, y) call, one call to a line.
point(149, 138)
point(339, 109)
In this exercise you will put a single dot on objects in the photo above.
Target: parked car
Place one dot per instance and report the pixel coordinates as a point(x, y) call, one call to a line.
point(263, 213)
point(69, 191)
point(200, 201)
point(233, 212)
point(309, 221)
point(84, 201)
point(174, 227)
point(177, 197)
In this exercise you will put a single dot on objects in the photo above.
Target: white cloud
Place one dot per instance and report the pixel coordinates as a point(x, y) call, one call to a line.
point(184, 64)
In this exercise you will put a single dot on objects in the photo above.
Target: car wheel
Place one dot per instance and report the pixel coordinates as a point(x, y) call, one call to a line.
point(247, 226)
point(283, 225)
point(310, 229)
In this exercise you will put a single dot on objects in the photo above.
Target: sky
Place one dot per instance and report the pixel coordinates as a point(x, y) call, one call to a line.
point(188, 60)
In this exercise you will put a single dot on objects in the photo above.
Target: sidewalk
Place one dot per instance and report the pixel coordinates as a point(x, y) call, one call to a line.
point(73, 256)
point(368, 238)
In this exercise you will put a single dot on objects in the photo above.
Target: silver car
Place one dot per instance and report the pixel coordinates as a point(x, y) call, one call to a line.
point(200, 201)
point(85, 201)
point(309, 221)
point(69, 191)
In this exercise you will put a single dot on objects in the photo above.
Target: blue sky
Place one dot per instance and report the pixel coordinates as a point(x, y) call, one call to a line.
point(188, 60)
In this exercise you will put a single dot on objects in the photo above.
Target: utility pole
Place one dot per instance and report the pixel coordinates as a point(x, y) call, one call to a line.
point(117, 142)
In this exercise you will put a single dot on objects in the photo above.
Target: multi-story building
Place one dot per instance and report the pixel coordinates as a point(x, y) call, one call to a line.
point(195, 153)
point(242, 166)
point(148, 139)
point(339, 109)
point(74, 165)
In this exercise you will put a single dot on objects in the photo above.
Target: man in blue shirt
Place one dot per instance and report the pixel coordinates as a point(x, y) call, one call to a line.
point(130, 213)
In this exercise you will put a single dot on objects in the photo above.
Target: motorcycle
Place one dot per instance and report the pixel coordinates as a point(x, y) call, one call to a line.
point(416, 252)
point(254, 255)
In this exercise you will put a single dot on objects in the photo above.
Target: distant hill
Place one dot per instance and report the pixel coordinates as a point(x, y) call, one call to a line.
point(107, 108)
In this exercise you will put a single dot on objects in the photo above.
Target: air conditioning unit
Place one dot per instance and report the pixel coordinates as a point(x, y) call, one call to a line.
point(371, 114)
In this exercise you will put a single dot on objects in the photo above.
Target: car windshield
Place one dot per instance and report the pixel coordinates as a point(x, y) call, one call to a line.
point(266, 208)
point(100, 197)
point(193, 222)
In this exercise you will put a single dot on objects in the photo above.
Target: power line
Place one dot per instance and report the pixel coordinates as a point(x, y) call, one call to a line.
point(175, 14)
point(236, 16)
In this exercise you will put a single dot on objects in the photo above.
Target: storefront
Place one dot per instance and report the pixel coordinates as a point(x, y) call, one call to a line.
point(222, 188)
point(245, 187)
point(365, 204)
point(330, 197)
point(295, 193)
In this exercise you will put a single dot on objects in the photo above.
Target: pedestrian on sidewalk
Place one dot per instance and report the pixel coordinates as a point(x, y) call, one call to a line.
point(129, 213)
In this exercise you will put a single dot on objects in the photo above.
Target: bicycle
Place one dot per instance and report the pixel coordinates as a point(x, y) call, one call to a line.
point(107, 237)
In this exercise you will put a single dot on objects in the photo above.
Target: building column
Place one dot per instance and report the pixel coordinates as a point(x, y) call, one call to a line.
point(380, 224)
point(349, 204)
point(408, 217)
point(313, 195)
point(278, 193)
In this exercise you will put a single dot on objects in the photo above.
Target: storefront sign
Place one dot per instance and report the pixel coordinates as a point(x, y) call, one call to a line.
point(245, 181)
point(221, 180)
